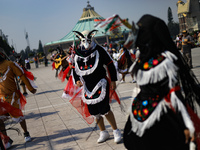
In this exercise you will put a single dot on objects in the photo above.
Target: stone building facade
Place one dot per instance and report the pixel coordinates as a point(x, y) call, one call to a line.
point(189, 15)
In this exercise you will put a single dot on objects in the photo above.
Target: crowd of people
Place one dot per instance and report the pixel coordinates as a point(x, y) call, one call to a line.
point(185, 42)
point(159, 111)
point(194, 36)
point(162, 115)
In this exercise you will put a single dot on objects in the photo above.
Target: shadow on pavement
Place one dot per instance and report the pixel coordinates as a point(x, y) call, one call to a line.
point(38, 115)
point(51, 91)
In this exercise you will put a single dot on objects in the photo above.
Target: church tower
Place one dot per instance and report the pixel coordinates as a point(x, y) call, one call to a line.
point(189, 15)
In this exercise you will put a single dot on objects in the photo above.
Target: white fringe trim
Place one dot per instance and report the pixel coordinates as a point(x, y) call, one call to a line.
point(32, 83)
point(13, 98)
point(140, 127)
point(19, 119)
point(120, 55)
point(5, 75)
point(67, 96)
point(16, 64)
point(176, 103)
point(132, 66)
point(119, 75)
point(123, 71)
point(85, 59)
point(102, 83)
point(159, 72)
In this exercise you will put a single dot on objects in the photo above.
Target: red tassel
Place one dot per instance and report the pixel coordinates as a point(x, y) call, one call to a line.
point(22, 100)
point(4, 139)
point(28, 74)
point(53, 65)
point(65, 74)
point(196, 121)
point(122, 59)
point(5, 108)
point(133, 56)
point(70, 87)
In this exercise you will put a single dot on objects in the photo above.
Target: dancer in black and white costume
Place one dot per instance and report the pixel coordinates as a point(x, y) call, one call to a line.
point(161, 117)
point(89, 72)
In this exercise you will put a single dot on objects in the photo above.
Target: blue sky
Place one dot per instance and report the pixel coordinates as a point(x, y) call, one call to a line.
point(50, 20)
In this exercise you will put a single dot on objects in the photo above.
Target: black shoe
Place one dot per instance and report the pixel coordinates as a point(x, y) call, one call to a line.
point(25, 93)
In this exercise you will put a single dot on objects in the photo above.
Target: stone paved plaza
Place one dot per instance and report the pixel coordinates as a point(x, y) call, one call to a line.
point(55, 124)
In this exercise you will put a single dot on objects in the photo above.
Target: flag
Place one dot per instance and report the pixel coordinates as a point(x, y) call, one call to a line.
point(112, 23)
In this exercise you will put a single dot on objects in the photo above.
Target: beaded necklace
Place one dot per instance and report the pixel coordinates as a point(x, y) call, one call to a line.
point(152, 62)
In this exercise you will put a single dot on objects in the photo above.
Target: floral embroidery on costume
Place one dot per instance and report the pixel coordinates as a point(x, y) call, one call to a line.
point(145, 112)
point(142, 109)
point(152, 62)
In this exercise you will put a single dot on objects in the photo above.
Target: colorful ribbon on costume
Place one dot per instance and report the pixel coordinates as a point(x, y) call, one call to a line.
point(29, 74)
point(53, 66)
point(196, 121)
point(167, 97)
point(22, 100)
point(6, 107)
point(62, 75)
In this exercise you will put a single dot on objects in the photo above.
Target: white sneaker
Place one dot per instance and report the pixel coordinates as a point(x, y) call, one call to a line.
point(117, 135)
point(122, 81)
point(8, 144)
point(133, 81)
point(104, 135)
point(27, 137)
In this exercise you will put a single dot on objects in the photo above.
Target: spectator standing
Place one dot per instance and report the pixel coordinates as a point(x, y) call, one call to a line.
point(187, 41)
point(198, 38)
point(45, 61)
point(36, 61)
point(27, 63)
